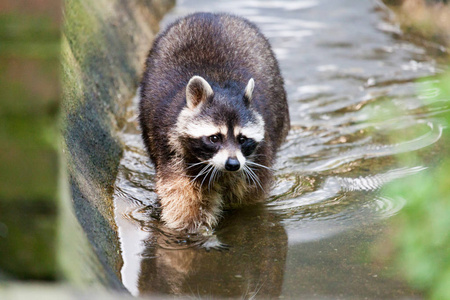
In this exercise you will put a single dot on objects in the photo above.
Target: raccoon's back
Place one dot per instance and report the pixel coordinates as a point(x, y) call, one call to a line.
point(218, 47)
point(222, 49)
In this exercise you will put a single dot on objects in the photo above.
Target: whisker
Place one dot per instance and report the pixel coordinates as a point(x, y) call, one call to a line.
point(201, 172)
point(210, 178)
point(210, 168)
point(199, 163)
point(216, 175)
point(177, 162)
point(258, 182)
point(250, 176)
point(258, 165)
point(256, 178)
point(213, 177)
point(244, 173)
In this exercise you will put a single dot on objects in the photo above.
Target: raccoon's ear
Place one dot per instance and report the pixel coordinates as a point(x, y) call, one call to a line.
point(197, 91)
point(249, 91)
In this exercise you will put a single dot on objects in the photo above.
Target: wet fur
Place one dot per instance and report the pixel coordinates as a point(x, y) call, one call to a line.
point(226, 51)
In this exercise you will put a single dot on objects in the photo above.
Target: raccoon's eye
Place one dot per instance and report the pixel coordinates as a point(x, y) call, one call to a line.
point(242, 139)
point(214, 139)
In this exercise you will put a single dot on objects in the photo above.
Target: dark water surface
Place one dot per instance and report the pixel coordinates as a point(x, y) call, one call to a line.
point(346, 68)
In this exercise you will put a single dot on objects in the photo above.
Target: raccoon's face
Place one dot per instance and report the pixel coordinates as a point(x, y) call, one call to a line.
point(223, 133)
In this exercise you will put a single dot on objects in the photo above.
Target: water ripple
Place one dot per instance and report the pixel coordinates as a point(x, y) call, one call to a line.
point(353, 105)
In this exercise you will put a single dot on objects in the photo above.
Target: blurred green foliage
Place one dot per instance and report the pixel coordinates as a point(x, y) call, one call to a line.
point(29, 141)
point(29, 99)
point(31, 36)
point(422, 229)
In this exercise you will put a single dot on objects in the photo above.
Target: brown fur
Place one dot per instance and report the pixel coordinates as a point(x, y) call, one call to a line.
point(201, 205)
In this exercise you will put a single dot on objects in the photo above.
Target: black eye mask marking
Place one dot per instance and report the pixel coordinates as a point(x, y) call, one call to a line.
point(200, 148)
point(248, 147)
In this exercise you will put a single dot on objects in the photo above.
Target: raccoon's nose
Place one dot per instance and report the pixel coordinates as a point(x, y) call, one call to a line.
point(232, 164)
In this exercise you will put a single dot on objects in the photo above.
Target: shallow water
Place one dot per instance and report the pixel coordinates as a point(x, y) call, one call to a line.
point(346, 70)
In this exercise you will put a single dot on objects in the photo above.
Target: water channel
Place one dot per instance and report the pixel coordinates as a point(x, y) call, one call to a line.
point(346, 67)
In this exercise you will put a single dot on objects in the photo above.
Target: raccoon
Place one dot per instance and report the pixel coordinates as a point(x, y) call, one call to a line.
point(213, 113)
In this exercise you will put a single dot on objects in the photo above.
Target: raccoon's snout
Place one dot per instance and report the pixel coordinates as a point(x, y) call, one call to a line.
point(232, 164)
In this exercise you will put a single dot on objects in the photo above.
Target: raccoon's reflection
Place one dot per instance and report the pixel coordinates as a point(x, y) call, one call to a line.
point(253, 264)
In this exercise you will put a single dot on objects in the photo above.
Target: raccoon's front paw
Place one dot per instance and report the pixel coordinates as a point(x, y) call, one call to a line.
point(198, 221)
point(190, 217)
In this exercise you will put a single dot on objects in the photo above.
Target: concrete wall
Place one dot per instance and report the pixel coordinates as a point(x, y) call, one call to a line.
point(104, 46)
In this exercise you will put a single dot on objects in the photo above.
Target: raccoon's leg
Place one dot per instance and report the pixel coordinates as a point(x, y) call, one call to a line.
point(184, 205)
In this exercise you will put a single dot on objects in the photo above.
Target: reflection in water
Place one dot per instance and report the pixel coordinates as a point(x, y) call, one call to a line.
point(159, 261)
point(345, 72)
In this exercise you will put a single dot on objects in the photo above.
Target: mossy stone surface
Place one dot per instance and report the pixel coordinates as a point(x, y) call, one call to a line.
point(104, 47)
